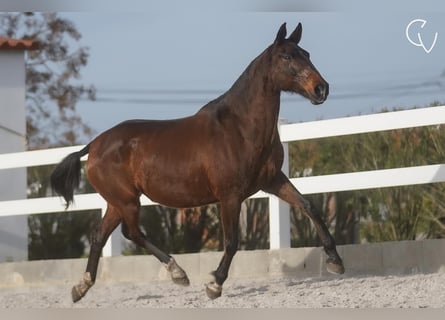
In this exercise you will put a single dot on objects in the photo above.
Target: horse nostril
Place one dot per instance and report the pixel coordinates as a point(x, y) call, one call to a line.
point(321, 91)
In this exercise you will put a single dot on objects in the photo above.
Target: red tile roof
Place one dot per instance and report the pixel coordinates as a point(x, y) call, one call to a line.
point(16, 44)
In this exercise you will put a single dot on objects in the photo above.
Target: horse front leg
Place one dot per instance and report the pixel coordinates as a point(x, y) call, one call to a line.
point(230, 211)
point(285, 190)
point(109, 222)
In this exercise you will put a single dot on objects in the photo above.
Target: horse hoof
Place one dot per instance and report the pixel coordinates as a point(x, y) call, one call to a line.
point(213, 290)
point(182, 281)
point(335, 267)
point(80, 290)
point(75, 294)
point(177, 274)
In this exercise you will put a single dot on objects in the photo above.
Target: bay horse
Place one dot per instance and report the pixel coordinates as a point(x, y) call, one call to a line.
point(227, 151)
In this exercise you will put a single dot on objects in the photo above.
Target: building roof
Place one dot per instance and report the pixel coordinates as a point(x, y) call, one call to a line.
point(16, 44)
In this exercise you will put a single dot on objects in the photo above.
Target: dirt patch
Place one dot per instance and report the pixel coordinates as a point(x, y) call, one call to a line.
point(413, 291)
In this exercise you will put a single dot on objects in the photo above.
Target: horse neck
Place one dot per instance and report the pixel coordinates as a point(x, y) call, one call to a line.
point(254, 100)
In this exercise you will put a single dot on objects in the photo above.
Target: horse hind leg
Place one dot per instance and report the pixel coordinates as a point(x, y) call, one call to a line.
point(131, 231)
point(109, 222)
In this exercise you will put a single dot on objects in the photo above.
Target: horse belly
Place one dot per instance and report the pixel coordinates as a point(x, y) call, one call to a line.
point(177, 191)
point(177, 196)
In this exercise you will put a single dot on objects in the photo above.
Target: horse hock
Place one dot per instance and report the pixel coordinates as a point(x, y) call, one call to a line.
point(79, 291)
point(177, 274)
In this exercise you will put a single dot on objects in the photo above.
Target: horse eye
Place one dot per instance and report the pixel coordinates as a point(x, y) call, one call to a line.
point(286, 57)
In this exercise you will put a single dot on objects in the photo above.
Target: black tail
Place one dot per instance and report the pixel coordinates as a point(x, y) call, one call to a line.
point(66, 176)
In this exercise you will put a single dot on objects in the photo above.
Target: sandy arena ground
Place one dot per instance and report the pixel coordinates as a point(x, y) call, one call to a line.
point(413, 291)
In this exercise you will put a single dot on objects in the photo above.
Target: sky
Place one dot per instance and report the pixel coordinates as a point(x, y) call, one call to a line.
point(162, 63)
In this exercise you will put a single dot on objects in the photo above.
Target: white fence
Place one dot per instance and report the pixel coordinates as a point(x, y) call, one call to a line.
point(279, 217)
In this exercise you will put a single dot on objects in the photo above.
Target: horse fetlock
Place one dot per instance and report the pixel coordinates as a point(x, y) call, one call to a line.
point(213, 290)
point(80, 290)
point(177, 274)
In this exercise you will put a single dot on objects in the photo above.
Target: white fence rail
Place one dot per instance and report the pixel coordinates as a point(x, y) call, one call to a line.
point(279, 217)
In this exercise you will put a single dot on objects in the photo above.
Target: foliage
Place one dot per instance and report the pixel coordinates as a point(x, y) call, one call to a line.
point(199, 229)
point(179, 230)
point(60, 235)
point(57, 235)
point(52, 75)
point(397, 213)
point(254, 224)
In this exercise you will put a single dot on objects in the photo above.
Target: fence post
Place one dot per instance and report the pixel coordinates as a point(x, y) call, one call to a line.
point(279, 211)
point(113, 246)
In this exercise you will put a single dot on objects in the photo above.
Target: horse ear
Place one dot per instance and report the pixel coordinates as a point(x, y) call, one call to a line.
point(296, 35)
point(281, 35)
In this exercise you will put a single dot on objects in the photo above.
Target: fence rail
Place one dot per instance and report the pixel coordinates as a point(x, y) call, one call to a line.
point(278, 211)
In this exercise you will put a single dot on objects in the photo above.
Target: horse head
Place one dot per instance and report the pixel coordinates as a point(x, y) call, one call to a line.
point(292, 69)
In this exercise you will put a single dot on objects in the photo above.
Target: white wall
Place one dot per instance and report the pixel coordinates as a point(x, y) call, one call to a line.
point(13, 230)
